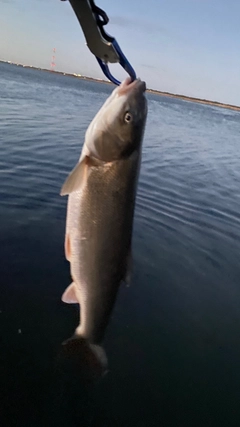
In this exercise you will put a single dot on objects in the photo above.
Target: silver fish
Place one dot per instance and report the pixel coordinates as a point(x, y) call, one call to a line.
point(102, 190)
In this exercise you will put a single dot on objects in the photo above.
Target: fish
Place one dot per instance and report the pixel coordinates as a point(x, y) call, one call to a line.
point(101, 193)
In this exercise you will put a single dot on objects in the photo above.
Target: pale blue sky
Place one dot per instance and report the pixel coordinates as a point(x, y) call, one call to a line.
point(189, 47)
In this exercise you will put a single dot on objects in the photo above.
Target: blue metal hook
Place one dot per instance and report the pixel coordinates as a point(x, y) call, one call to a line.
point(122, 61)
point(92, 20)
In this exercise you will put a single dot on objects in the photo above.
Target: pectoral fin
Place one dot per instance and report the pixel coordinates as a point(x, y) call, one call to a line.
point(76, 178)
point(79, 174)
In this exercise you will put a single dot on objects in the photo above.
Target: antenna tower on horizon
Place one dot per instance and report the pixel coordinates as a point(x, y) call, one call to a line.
point(52, 66)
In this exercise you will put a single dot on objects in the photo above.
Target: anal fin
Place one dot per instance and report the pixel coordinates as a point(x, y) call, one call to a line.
point(70, 294)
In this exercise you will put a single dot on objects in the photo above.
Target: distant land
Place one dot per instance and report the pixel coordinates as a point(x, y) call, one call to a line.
point(156, 92)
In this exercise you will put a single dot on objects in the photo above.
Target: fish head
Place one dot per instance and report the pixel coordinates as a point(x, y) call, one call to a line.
point(117, 129)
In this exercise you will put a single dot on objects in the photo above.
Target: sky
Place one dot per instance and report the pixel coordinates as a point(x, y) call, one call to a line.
point(188, 47)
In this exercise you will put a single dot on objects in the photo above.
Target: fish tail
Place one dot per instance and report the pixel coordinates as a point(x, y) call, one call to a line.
point(90, 358)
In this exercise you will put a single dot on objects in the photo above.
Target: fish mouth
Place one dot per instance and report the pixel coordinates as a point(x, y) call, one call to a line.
point(128, 85)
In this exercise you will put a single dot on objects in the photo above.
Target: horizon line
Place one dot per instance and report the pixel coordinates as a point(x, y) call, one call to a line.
point(154, 91)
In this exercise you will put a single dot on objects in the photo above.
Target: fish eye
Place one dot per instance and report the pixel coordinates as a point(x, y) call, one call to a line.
point(128, 117)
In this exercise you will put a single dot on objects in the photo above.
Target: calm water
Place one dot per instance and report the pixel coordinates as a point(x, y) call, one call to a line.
point(174, 339)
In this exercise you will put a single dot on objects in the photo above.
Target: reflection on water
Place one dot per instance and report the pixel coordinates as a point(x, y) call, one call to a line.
point(173, 341)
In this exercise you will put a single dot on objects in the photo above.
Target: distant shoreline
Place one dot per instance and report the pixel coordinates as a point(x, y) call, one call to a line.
point(155, 92)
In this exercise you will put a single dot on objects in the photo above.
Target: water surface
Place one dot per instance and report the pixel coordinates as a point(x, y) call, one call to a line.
point(173, 341)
